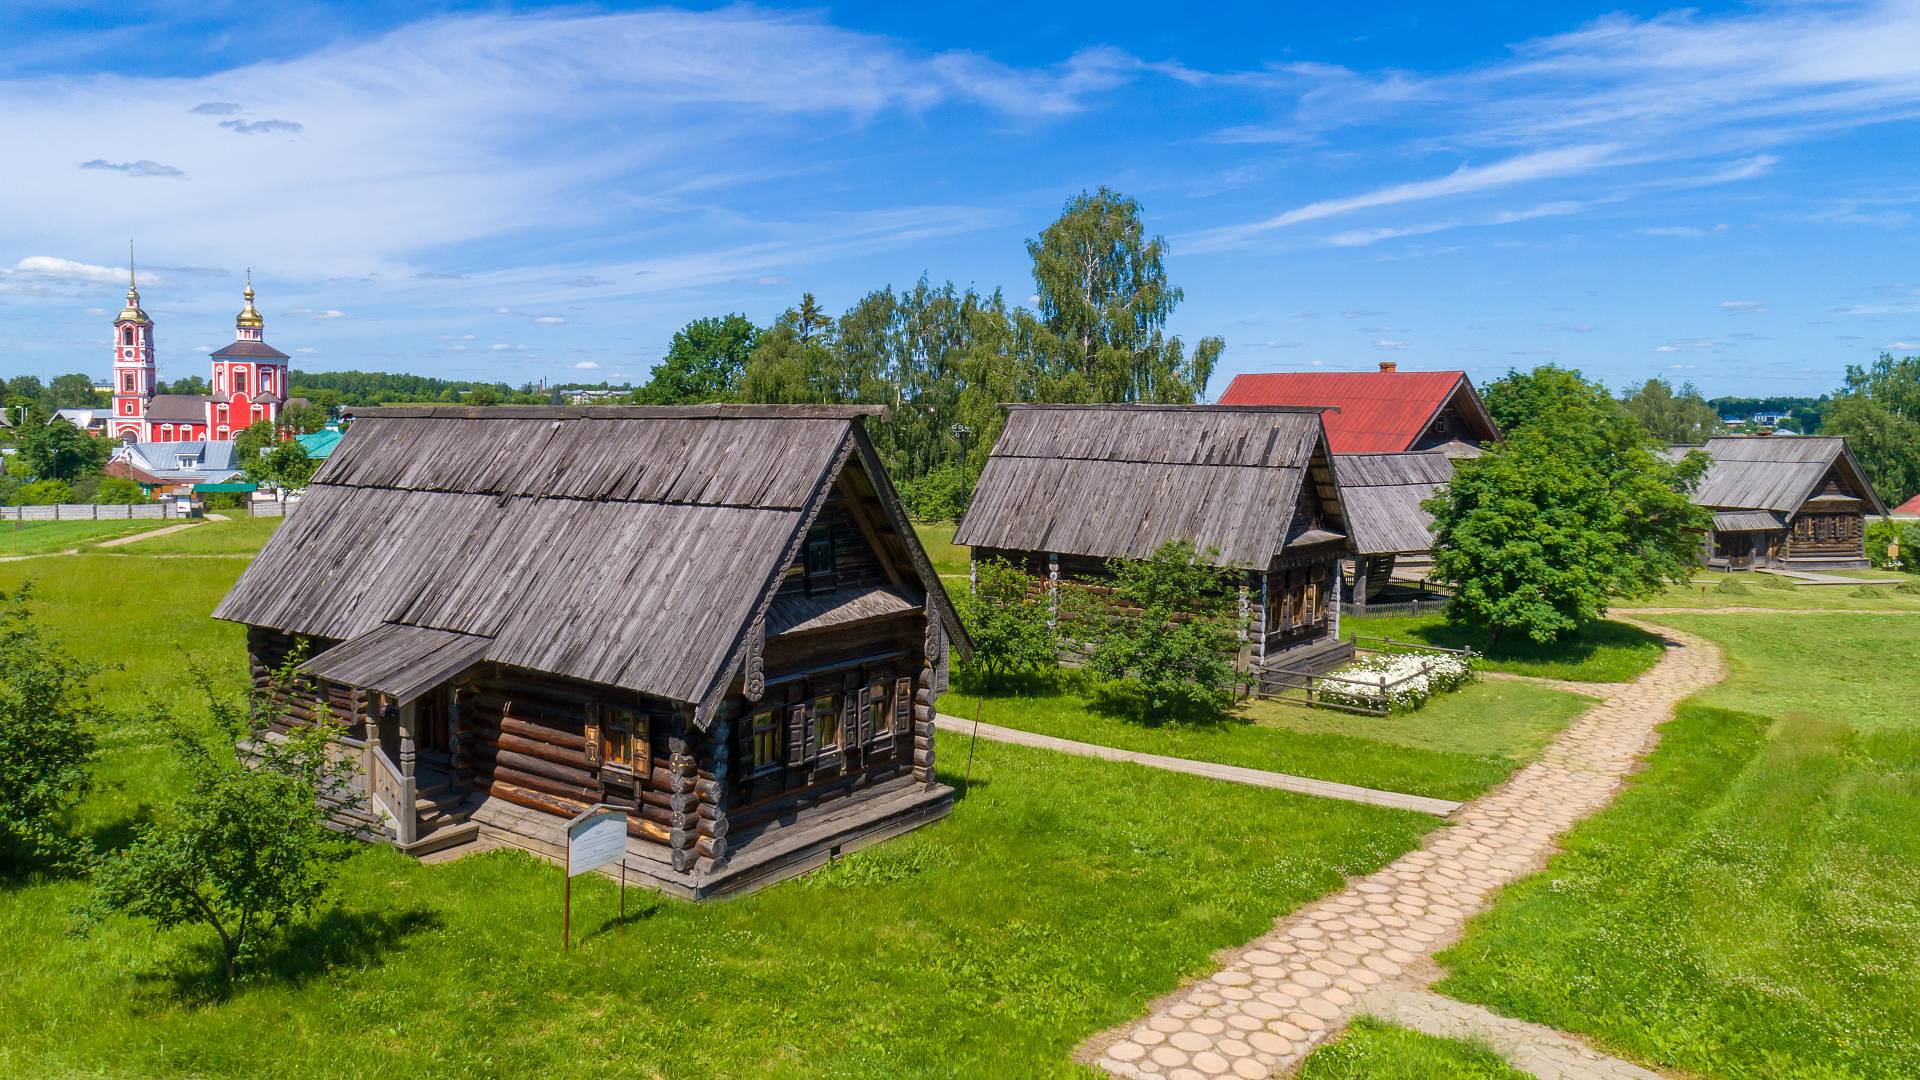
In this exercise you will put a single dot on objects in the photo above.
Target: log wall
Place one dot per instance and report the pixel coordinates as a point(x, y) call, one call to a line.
point(287, 702)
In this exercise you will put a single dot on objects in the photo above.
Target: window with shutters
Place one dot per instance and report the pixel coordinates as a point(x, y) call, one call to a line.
point(763, 743)
point(826, 725)
point(879, 714)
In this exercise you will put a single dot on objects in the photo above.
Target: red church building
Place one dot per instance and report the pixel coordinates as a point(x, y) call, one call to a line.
point(249, 381)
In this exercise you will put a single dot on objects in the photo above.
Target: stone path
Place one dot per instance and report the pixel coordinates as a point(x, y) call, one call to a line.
point(1233, 774)
point(148, 535)
point(1287, 992)
point(1542, 1051)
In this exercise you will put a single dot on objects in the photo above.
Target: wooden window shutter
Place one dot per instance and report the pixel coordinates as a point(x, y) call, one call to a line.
point(863, 714)
point(640, 749)
point(799, 733)
point(903, 705)
point(593, 735)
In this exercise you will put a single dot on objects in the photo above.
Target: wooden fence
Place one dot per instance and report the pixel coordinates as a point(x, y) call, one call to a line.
point(1412, 607)
point(91, 512)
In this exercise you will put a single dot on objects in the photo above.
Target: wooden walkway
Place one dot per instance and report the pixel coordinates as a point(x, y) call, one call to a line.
point(1233, 774)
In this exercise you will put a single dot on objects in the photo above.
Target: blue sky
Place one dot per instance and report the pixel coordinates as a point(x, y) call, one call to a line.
point(1725, 194)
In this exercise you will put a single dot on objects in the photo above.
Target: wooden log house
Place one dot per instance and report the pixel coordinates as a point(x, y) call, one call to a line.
point(1382, 496)
point(716, 617)
point(1794, 502)
point(1069, 487)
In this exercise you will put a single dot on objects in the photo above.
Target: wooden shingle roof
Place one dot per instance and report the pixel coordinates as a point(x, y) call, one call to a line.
point(1778, 472)
point(629, 547)
point(1118, 481)
point(1381, 495)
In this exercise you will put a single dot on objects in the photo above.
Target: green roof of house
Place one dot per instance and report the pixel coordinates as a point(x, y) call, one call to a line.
point(319, 444)
point(202, 489)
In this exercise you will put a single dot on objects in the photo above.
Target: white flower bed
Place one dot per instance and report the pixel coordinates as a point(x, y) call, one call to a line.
point(1411, 679)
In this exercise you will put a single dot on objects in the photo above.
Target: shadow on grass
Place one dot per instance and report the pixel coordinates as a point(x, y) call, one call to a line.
point(1575, 649)
point(1113, 700)
point(336, 938)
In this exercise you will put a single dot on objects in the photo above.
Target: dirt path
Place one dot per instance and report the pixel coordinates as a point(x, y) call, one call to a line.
point(1282, 995)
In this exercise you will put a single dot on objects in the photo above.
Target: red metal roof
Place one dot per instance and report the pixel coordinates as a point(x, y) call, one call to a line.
point(1381, 412)
point(1911, 506)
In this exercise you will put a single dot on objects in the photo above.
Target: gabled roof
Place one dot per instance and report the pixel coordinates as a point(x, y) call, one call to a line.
point(1760, 472)
point(177, 408)
point(1117, 481)
point(319, 444)
point(249, 350)
point(632, 547)
point(1380, 494)
point(1910, 508)
point(1380, 412)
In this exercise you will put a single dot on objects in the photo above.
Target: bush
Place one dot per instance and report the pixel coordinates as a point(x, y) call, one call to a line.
point(44, 493)
point(939, 495)
point(1410, 681)
point(1168, 628)
point(1007, 618)
point(1885, 551)
point(224, 500)
point(119, 491)
point(47, 715)
point(1732, 587)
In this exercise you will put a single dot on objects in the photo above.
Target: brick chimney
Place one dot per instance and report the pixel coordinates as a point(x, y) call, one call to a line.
point(1389, 365)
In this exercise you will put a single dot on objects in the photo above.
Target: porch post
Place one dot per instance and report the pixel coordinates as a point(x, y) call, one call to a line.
point(1360, 583)
point(408, 715)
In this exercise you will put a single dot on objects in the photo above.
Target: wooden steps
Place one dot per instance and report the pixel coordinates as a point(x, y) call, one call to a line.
point(1288, 670)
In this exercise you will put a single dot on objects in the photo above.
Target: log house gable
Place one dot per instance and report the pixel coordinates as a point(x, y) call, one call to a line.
point(888, 538)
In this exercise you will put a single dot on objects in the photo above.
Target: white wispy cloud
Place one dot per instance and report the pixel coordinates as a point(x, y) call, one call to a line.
point(587, 365)
point(143, 167)
point(1744, 307)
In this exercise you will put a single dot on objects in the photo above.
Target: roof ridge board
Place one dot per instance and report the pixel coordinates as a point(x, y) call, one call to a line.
point(777, 508)
point(1128, 406)
point(619, 412)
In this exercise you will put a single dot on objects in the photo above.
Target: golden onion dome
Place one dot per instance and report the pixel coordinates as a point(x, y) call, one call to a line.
point(249, 317)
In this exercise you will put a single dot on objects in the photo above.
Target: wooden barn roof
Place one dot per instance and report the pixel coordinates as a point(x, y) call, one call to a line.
point(1777, 472)
point(1378, 412)
point(1381, 496)
point(1117, 481)
point(630, 547)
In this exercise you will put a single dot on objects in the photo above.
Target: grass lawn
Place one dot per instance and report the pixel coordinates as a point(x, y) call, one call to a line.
point(949, 559)
point(1371, 1050)
point(1602, 652)
point(40, 537)
point(1458, 746)
point(1747, 908)
point(240, 535)
point(1719, 590)
point(1061, 896)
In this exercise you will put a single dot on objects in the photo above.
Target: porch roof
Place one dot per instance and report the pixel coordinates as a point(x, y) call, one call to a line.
point(399, 660)
point(1747, 521)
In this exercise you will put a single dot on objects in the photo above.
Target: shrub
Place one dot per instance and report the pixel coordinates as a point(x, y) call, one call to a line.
point(1169, 628)
point(939, 495)
point(47, 715)
point(1732, 587)
point(44, 493)
point(1885, 551)
point(1007, 618)
point(118, 490)
point(1397, 682)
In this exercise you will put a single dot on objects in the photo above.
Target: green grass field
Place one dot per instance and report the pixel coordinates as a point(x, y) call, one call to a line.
point(949, 559)
point(1747, 908)
point(1061, 897)
point(1718, 590)
point(1371, 1050)
point(241, 535)
point(1603, 652)
point(1459, 745)
point(41, 537)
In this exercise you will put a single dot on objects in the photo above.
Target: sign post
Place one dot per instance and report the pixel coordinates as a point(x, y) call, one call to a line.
point(595, 837)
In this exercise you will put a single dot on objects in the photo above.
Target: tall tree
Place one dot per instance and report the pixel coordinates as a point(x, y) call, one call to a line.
point(1682, 418)
point(72, 392)
point(1519, 398)
point(1879, 414)
point(1573, 509)
point(59, 451)
point(704, 362)
point(1104, 301)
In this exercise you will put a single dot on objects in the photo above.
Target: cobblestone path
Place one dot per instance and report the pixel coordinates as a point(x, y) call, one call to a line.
point(1540, 1050)
point(1287, 992)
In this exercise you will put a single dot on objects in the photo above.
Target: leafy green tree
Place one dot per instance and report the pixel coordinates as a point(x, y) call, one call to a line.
point(1104, 303)
point(1168, 627)
point(48, 716)
point(1575, 508)
point(254, 440)
point(72, 392)
point(44, 493)
point(795, 361)
point(189, 384)
point(60, 451)
point(304, 419)
point(1879, 414)
point(1682, 418)
point(284, 465)
point(704, 362)
point(1006, 614)
point(1519, 398)
point(939, 495)
point(118, 490)
point(246, 850)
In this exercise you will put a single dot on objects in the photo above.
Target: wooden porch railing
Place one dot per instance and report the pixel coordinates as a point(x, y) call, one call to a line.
point(393, 794)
